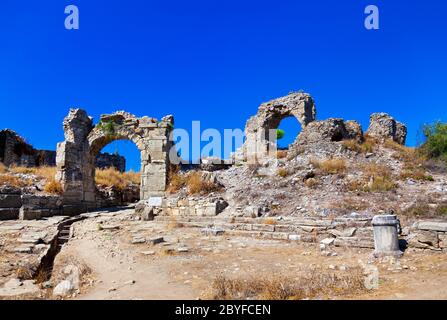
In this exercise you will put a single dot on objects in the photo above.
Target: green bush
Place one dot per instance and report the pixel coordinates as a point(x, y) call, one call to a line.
point(280, 134)
point(435, 145)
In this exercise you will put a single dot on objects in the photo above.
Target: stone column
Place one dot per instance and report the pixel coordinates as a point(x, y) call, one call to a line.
point(386, 239)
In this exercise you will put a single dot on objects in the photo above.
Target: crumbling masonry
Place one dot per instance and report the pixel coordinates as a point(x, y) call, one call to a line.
point(83, 141)
point(260, 144)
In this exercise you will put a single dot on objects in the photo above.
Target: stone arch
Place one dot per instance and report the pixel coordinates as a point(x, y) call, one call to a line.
point(270, 114)
point(83, 141)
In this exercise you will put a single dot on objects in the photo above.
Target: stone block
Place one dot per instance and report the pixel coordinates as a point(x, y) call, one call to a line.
point(9, 213)
point(10, 201)
point(442, 240)
point(432, 226)
point(263, 227)
point(210, 210)
point(155, 201)
point(428, 237)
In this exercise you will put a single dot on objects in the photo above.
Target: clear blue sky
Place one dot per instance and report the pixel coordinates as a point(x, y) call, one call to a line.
point(217, 60)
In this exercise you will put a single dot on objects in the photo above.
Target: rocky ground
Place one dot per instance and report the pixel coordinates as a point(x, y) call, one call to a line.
point(296, 186)
point(111, 255)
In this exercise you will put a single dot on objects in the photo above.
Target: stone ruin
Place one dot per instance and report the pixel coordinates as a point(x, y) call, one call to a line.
point(260, 144)
point(83, 141)
point(77, 156)
point(14, 150)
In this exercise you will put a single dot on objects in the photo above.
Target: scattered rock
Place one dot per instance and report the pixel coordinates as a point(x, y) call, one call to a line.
point(63, 289)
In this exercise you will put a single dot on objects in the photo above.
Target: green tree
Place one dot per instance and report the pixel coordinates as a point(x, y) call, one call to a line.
point(435, 145)
point(280, 134)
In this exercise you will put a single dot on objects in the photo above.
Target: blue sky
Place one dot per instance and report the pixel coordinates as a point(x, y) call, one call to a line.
point(216, 61)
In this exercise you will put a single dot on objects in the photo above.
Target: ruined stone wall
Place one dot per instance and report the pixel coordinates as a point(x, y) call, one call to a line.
point(260, 145)
point(107, 160)
point(14, 150)
point(14, 204)
point(83, 141)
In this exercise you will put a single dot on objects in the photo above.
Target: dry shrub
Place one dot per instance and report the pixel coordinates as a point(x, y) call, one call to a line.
point(282, 172)
point(54, 187)
point(11, 180)
point(3, 168)
point(270, 221)
point(376, 178)
point(63, 260)
point(176, 179)
point(47, 173)
point(349, 204)
point(421, 209)
point(197, 185)
point(111, 177)
point(315, 283)
point(281, 154)
point(25, 272)
point(311, 182)
point(330, 166)
point(415, 174)
point(403, 153)
point(376, 170)
point(367, 146)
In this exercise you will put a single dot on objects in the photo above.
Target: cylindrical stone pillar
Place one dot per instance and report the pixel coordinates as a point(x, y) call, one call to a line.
point(386, 240)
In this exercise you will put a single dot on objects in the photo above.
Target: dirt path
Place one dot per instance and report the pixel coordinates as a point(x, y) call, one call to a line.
point(122, 271)
point(129, 279)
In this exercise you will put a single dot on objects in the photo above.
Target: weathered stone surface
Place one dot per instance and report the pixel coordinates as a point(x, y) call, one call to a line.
point(432, 226)
point(76, 155)
point(9, 213)
point(213, 231)
point(428, 237)
point(138, 240)
point(382, 126)
point(15, 287)
point(330, 130)
point(354, 242)
point(155, 240)
point(10, 201)
point(64, 288)
point(270, 114)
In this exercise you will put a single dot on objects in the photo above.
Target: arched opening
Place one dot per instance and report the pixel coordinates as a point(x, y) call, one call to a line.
point(287, 132)
point(115, 175)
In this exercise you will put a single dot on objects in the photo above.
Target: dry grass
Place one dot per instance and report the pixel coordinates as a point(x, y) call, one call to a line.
point(176, 179)
point(3, 168)
point(282, 172)
point(47, 173)
point(53, 187)
point(63, 260)
point(367, 146)
point(421, 209)
point(311, 183)
point(415, 174)
point(281, 154)
point(410, 156)
point(25, 272)
point(349, 204)
point(330, 166)
point(316, 283)
point(113, 178)
point(270, 221)
point(197, 185)
point(11, 180)
point(193, 181)
point(376, 178)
